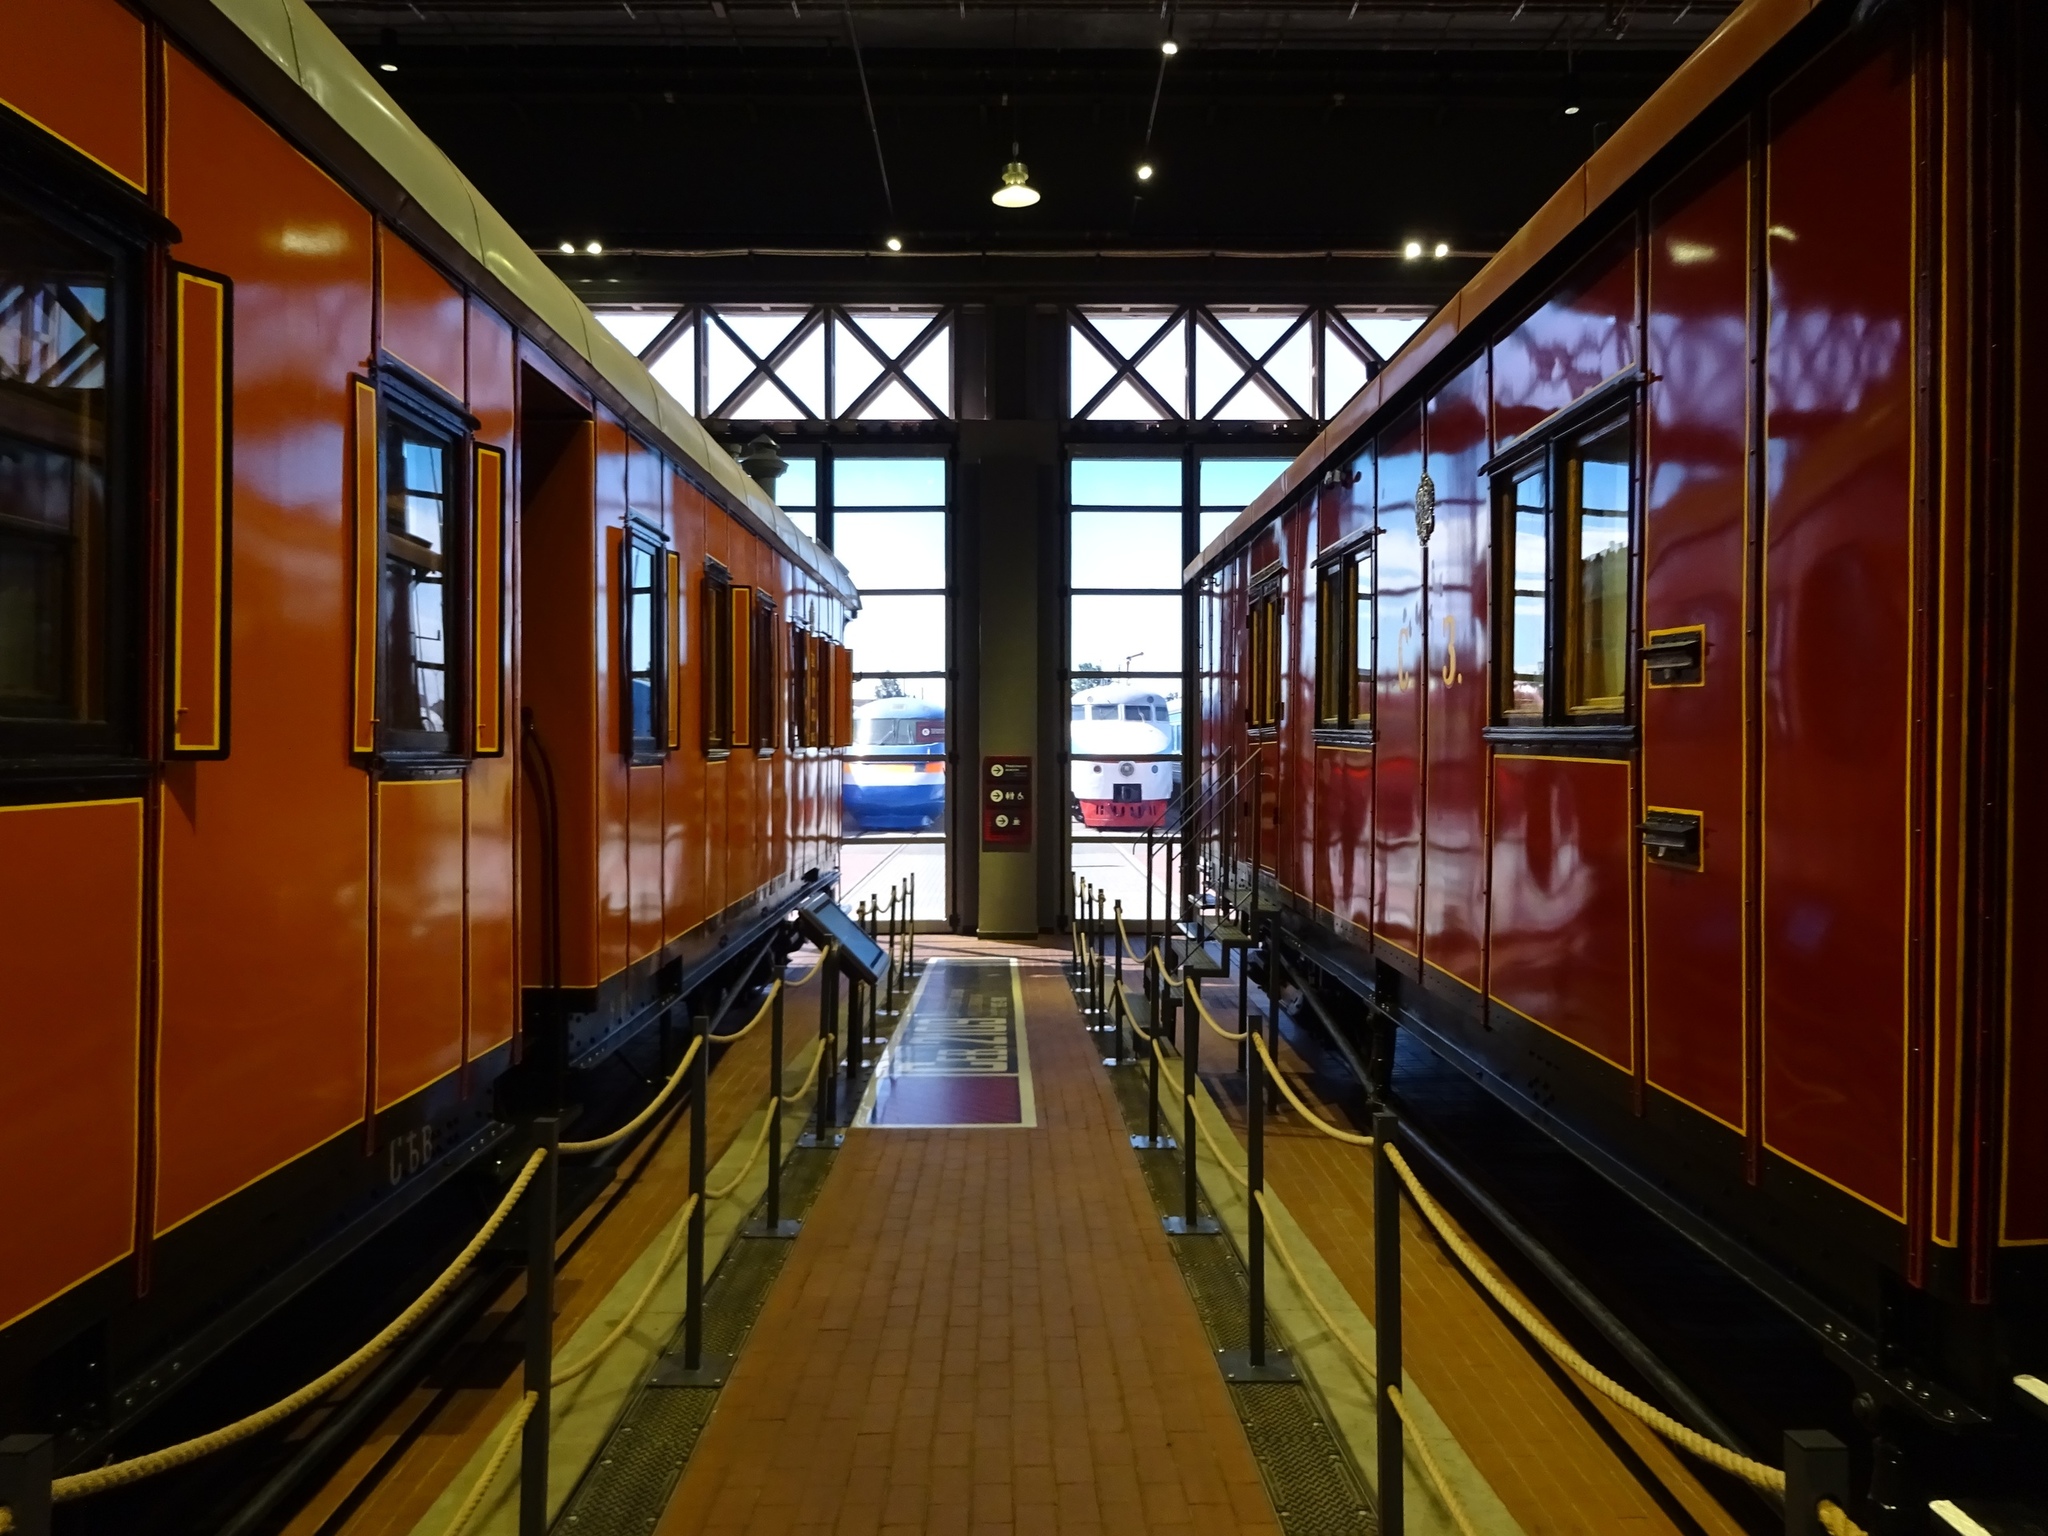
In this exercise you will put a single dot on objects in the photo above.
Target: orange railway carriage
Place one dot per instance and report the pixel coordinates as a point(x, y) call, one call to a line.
point(374, 740)
point(1630, 681)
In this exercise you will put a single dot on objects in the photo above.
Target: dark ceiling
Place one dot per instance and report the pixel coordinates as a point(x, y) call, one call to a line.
point(669, 129)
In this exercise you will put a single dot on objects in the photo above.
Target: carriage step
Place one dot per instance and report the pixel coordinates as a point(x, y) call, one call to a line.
point(1229, 935)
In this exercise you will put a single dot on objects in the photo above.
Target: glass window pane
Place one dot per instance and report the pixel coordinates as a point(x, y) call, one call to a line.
point(891, 549)
point(1126, 634)
point(675, 370)
point(899, 634)
point(1233, 483)
point(1384, 333)
point(798, 485)
point(635, 328)
point(1213, 523)
point(889, 482)
point(1125, 482)
point(895, 778)
point(807, 521)
point(1600, 555)
point(415, 571)
point(1126, 549)
point(1361, 639)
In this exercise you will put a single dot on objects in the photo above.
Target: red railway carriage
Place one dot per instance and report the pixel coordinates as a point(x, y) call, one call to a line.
point(399, 693)
point(1630, 681)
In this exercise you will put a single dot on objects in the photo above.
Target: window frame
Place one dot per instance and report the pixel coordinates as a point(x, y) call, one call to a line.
point(1345, 641)
point(644, 538)
point(42, 757)
point(714, 672)
point(1550, 451)
point(766, 677)
point(403, 397)
point(1265, 614)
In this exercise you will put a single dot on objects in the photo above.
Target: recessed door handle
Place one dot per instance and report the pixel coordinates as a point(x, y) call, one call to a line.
point(1673, 838)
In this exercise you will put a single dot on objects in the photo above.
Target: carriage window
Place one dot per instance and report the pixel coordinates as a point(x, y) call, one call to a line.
point(1332, 661)
point(764, 680)
point(1596, 479)
point(1565, 531)
point(1344, 643)
point(1263, 700)
point(1358, 594)
point(715, 670)
point(1526, 530)
point(643, 646)
point(422, 593)
point(65, 687)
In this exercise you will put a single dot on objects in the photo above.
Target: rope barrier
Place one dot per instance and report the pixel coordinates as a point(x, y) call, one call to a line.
point(1342, 1336)
point(823, 955)
point(1208, 1139)
point(1429, 1464)
point(1208, 1018)
point(1302, 1109)
point(473, 1500)
point(669, 1255)
point(121, 1473)
point(1747, 1468)
point(613, 1138)
point(811, 1076)
point(1832, 1517)
point(748, 1028)
point(760, 1141)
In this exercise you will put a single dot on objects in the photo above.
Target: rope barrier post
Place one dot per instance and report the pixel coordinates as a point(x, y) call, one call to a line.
point(895, 891)
point(1255, 1210)
point(1386, 1321)
point(851, 1034)
point(695, 1368)
point(910, 928)
point(540, 1328)
point(1191, 1222)
point(822, 1133)
point(1101, 959)
point(1255, 1362)
point(1245, 1053)
point(1816, 1468)
point(1116, 1027)
point(1148, 907)
point(772, 1224)
point(27, 1466)
point(1151, 1140)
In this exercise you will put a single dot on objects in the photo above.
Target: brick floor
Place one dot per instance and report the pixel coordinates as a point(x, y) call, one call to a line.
point(1532, 1439)
point(981, 1331)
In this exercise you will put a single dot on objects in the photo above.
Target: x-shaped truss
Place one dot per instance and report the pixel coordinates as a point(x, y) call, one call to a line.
point(38, 363)
point(1253, 368)
point(768, 367)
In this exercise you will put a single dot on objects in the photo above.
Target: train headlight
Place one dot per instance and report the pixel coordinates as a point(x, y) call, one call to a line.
point(1127, 769)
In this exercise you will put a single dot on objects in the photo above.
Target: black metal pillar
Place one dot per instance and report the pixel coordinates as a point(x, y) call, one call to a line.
point(1386, 1248)
point(540, 1329)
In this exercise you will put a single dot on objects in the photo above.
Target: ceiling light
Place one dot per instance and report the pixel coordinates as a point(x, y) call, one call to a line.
point(1169, 47)
point(386, 56)
point(1441, 250)
point(593, 249)
point(1412, 249)
point(1016, 190)
point(1572, 110)
point(567, 248)
point(1144, 173)
point(893, 243)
